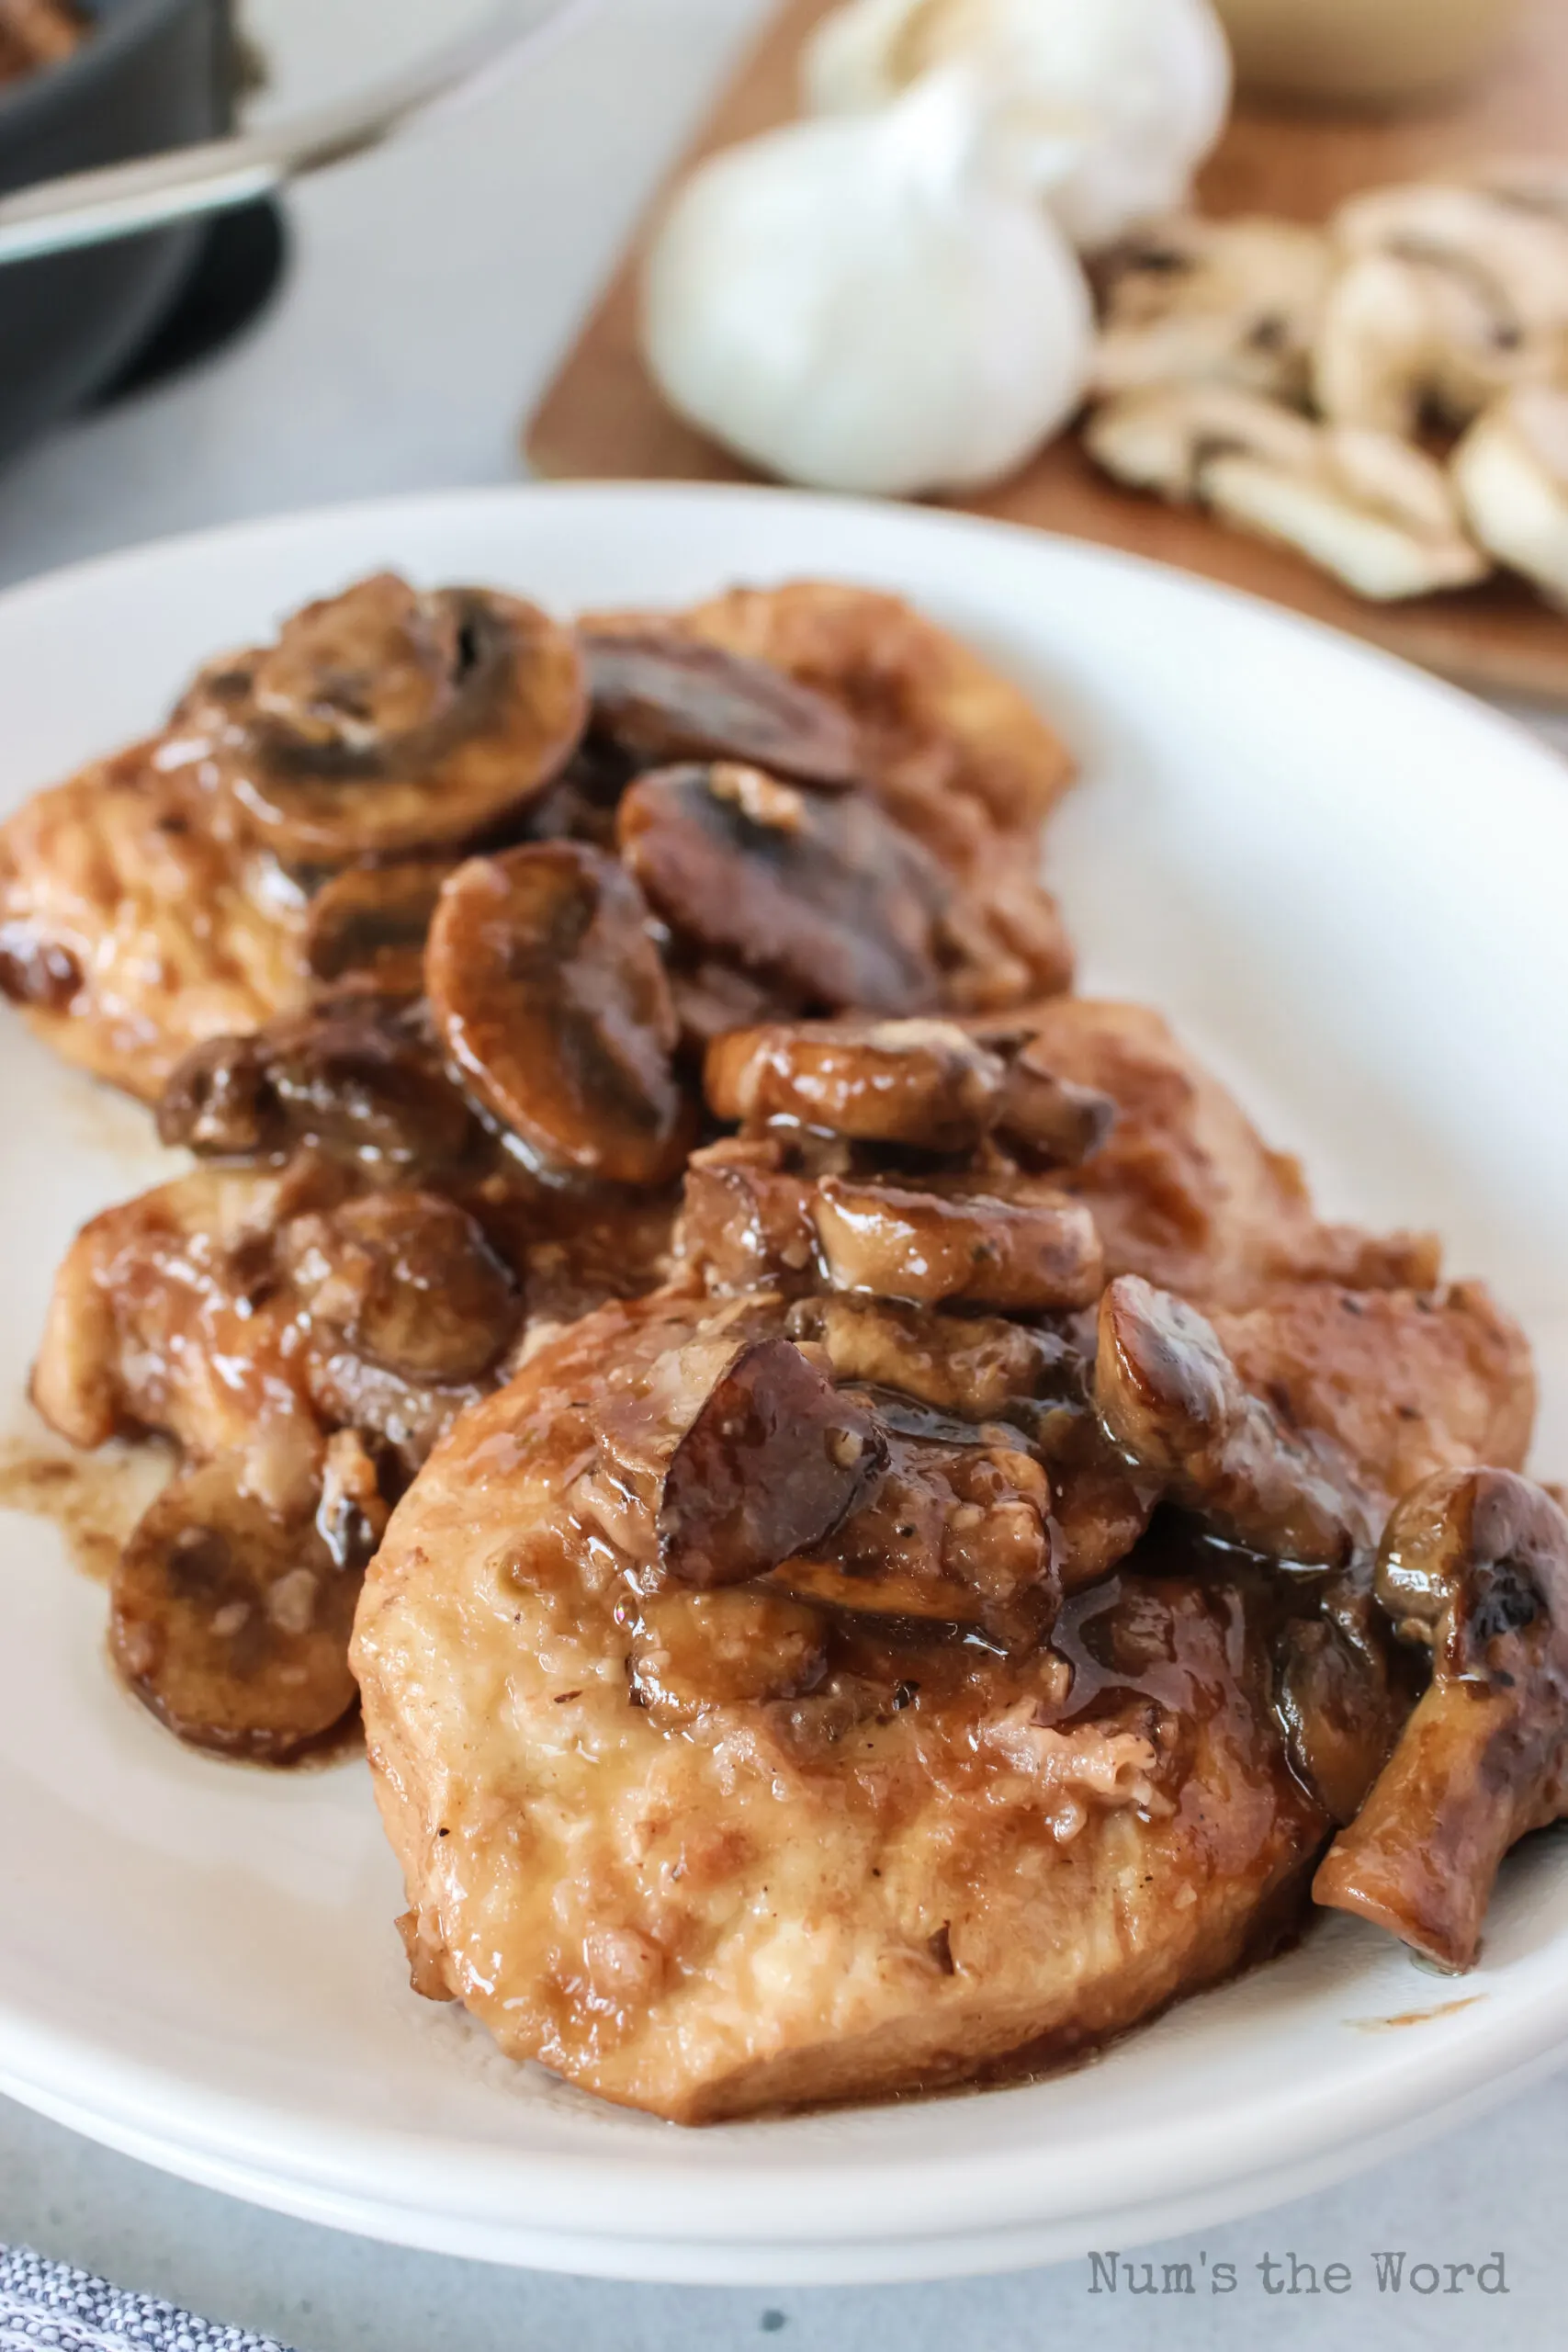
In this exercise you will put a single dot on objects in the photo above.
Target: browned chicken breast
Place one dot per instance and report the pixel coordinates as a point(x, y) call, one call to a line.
point(132, 925)
point(1184, 1190)
point(708, 1846)
point(842, 1573)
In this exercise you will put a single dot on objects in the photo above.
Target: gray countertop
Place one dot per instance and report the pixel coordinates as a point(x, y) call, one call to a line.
point(432, 291)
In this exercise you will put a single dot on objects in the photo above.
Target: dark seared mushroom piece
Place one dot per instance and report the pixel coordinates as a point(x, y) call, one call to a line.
point(555, 1011)
point(956, 1532)
point(746, 1220)
point(982, 1368)
point(1169, 1398)
point(1340, 1708)
point(819, 895)
point(772, 1463)
point(1024, 1255)
point(232, 1625)
point(661, 697)
point(1050, 1121)
point(408, 1283)
point(385, 722)
point(356, 1078)
point(367, 925)
point(1473, 1565)
point(921, 1082)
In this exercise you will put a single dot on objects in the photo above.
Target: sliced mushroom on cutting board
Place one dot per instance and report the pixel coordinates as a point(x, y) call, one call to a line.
point(1374, 510)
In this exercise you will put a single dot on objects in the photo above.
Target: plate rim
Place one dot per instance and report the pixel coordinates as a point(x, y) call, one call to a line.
point(1507, 2040)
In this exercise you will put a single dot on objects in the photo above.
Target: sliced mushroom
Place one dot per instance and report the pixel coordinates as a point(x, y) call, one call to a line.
point(1513, 255)
point(1169, 1397)
point(1404, 338)
point(774, 1461)
point(232, 1625)
point(356, 1078)
point(384, 721)
point(1473, 1565)
point(922, 1082)
point(1511, 473)
point(1373, 510)
point(955, 749)
point(1166, 438)
point(1220, 301)
point(554, 1008)
point(823, 897)
point(1340, 1710)
point(662, 697)
point(954, 1534)
point(1027, 1255)
point(746, 1220)
point(693, 1650)
point(408, 1280)
point(1053, 1122)
point(976, 1366)
point(368, 924)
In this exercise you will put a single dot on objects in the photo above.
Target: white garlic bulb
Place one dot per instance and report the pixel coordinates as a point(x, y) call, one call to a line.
point(1145, 86)
point(852, 305)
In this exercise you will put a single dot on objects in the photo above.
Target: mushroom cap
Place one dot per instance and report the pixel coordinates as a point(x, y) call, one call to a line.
point(946, 737)
point(772, 1462)
point(1406, 331)
point(409, 1283)
point(1470, 1558)
point(1361, 504)
point(821, 896)
point(1171, 1397)
point(1511, 473)
point(1029, 1255)
point(1518, 251)
point(384, 722)
point(663, 696)
point(369, 925)
point(918, 1081)
point(1473, 1564)
point(1374, 511)
point(231, 1623)
point(1164, 437)
point(355, 1077)
point(551, 1000)
point(1232, 301)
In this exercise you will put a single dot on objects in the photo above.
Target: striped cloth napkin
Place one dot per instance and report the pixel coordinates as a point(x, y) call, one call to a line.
point(44, 2307)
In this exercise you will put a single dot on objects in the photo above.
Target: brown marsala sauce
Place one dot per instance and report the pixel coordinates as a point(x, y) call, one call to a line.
point(1123, 1638)
point(94, 1500)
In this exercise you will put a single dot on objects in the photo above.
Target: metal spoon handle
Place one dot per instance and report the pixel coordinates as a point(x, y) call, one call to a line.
point(122, 200)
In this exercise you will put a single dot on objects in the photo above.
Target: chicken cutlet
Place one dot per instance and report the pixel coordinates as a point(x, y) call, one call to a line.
point(836, 1566)
point(709, 1847)
point(132, 925)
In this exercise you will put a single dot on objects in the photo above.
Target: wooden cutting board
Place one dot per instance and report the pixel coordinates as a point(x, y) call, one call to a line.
point(602, 418)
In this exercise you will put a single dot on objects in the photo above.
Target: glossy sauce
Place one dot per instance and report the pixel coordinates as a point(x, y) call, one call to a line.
point(94, 1500)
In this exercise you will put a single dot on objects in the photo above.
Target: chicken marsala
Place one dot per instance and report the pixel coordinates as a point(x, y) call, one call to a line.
point(884, 1537)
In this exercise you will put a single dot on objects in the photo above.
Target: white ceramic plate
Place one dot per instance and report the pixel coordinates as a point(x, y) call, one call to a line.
point(1346, 884)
